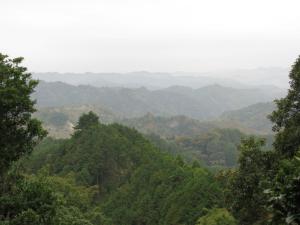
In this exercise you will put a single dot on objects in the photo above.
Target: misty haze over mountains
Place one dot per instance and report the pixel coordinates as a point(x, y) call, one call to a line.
point(265, 77)
point(150, 112)
point(202, 103)
point(239, 99)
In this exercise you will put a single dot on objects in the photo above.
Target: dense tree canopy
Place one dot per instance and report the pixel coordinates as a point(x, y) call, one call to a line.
point(217, 216)
point(136, 183)
point(22, 201)
point(287, 116)
point(249, 180)
point(25, 200)
point(285, 197)
point(265, 187)
point(18, 131)
point(87, 120)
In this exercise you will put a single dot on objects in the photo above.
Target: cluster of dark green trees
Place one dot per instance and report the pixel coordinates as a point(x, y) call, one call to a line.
point(134, 182)
point(265, 188)
point(111, 174)
point(30, 199)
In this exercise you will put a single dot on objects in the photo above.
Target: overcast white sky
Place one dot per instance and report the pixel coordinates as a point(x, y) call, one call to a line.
point(153, 35)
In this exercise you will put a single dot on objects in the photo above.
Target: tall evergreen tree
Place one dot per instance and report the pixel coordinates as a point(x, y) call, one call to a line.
point(87, 120)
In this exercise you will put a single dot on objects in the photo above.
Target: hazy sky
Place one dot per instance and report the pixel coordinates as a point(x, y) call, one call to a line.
point(153, 35)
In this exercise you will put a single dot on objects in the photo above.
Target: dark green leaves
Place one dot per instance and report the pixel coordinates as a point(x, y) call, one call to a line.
point(18, 131)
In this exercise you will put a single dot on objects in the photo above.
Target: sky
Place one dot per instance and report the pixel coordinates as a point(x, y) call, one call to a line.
point(150, 35)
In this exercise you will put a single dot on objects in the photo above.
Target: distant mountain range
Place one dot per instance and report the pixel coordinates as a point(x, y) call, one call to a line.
point(153, 81)
point(204, 103)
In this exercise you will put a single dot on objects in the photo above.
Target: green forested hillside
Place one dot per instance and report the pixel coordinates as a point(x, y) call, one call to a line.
point(216, 148)
point(169, 126)
point(250, 120)
point(136, 183)
point(253, 117)
point(212, 143)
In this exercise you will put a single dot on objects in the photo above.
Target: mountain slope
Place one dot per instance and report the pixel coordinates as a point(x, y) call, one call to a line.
point(204, 103)
point(59, 121)
point(136, 183)
point(253, 117)
point(214, 143)
point(169, 126)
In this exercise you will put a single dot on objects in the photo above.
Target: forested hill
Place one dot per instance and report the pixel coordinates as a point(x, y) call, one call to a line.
point(203, 103)
point(169, 126)
point(60, 121)
point(135, 182)
point(214, 143)
point(254, 117)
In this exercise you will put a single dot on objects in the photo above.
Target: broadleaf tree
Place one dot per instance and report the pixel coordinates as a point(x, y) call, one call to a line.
point(19, 132)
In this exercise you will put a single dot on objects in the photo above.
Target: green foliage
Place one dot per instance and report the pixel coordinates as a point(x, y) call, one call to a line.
point(76, 202)
point(284, 193)
point(192, 139)
point(27, 201)
point(265, 187)
point(111, 174)
point(163, 192)
point(287, 116)
point(249, 180)
point(87, 120)
point(22, 201)
point(284, 196)
point(217, 216)
point(43, 199)
point(124, 174)
point(40, 156)
point(18, 131)
point(215, 148)
point(167, 127)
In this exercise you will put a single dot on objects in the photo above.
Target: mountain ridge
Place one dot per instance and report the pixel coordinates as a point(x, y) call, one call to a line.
point(203, 103)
